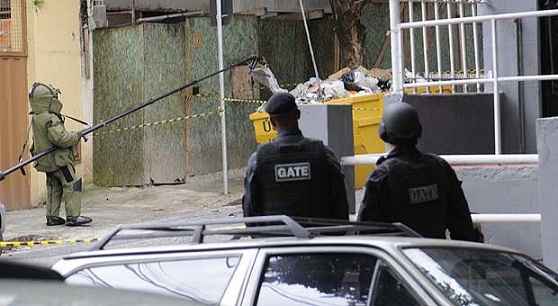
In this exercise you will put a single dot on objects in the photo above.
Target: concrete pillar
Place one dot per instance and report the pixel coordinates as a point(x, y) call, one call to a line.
point(547, 144)
point(332, 124)
point(515, 38)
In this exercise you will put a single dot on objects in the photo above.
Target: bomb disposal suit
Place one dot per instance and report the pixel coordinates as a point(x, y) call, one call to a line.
point(48, 130)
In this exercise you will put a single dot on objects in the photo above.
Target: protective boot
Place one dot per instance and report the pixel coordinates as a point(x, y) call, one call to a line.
point(78, 221)
point(55, 220)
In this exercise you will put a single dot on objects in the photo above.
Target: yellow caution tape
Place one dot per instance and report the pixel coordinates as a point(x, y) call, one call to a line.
point(244, 100)
point(156, 123)
point(229, 99)
point(18, 244)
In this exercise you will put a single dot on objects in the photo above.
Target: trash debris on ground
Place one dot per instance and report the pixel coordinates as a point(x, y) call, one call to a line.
point(342, 84)
point(358, 80)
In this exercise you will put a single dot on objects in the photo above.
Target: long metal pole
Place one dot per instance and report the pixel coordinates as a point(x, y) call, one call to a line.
point(222, 97)
point(309, 40)
point(401, 58)
point(497, 119)
point(412, 42)
point(506, 218)
point(524, 78)
point(425, 44)
point(394, 21)
point(476, 44)
point(521, 78)
point(483, 18)
point(438, 49)
point(463, 43)
point(461, 160)
point(249, 61)
point(450, 38)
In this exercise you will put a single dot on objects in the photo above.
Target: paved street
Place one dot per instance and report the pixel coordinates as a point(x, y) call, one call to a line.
point(199, 198)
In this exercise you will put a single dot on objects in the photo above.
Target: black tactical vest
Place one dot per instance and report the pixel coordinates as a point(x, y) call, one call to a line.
point(418, 194)
point(292, 178)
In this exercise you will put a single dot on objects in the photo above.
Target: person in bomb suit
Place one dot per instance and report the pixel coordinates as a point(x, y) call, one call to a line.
point(62, 182)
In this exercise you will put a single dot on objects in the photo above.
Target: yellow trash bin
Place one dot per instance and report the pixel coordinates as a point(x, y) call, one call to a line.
point(367, 116)
point(262, 127)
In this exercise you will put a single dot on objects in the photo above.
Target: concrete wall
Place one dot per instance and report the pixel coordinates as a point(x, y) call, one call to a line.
point(505, 189)
point(530, 101)
point(131, 65)
point(134, 63)
point(204, 149)
point(453, 124)
point(53, 33)
point(288, 54)
point(547, 141)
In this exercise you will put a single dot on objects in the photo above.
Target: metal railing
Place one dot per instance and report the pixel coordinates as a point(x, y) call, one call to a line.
point(397, 28)
point(259, 226)
point(455, 160)
point(471, 160)
point(506, 218)
point(438, 8)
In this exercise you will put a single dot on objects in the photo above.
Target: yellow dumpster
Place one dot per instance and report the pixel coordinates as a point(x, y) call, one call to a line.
point(367, 115)
point(262, 126)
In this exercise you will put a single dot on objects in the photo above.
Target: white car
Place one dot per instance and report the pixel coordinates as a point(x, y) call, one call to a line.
point(49, 293)
point(277, 261)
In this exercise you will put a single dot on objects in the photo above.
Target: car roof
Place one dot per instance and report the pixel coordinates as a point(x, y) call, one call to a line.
point(49, 293)
point(255, 233)
point(379, 242)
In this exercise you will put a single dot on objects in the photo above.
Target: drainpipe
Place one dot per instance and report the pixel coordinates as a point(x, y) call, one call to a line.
point(520, 85)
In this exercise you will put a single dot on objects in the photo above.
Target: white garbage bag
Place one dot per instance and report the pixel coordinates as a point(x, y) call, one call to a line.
point(264, 76)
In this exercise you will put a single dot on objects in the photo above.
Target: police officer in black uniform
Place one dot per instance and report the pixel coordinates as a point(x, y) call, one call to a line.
point(293, 175)
point(419, 190)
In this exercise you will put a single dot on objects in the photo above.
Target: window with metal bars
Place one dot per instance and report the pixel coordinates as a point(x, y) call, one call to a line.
point(12, 26)
point(5, 9)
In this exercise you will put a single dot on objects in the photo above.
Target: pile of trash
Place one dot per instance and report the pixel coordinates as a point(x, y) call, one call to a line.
point(344, 83)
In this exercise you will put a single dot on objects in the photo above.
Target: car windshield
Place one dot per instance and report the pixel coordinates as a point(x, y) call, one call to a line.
point(474, 277)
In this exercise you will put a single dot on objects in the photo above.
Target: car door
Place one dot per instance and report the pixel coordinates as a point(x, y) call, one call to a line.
point(330, 276)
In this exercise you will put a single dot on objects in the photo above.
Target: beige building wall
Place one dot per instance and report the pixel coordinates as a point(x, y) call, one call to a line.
point(54, 57)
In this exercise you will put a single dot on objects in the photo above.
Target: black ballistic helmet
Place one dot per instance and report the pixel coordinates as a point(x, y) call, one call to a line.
point(281, 104)
point(400, 124)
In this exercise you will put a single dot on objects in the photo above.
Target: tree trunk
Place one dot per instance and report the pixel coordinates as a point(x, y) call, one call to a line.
point(349, 30)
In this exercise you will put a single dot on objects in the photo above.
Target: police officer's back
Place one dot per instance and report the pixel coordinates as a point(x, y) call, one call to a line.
point(420, 190)
point(293, 175)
